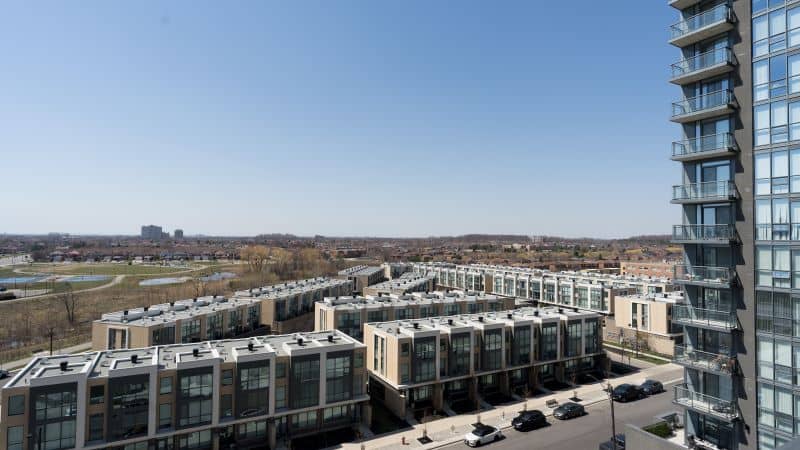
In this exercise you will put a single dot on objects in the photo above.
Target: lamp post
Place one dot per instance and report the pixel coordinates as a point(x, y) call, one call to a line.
point(610, 390)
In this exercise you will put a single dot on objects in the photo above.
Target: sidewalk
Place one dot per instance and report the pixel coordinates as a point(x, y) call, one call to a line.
point(452, 429)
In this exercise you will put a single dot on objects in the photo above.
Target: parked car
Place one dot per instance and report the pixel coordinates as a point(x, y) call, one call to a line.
point(627, 392)
point(482, 434)
point(4, 374)
point(650, 387)
point(529, 420)
point(568, 411)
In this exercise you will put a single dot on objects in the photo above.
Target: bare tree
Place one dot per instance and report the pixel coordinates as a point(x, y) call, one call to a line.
point(70, 302)
point(256, 257)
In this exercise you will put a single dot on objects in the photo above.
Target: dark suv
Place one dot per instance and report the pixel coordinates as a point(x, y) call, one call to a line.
point(529, 420)
point(627, 392)
point(650, 387)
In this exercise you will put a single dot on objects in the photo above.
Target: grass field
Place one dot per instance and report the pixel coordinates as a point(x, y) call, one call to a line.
point(102, 269)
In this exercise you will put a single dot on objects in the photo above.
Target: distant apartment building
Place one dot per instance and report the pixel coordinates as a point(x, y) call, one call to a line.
point(585, 290)
point(646, 322)
point(405, 284)
point(152, 232)
point(647, 269)
point(363, 276)
point(253, 393)
point(178, 234)
point(349, 314)
point(392, 270)
point(424, 365)
point(255, 312)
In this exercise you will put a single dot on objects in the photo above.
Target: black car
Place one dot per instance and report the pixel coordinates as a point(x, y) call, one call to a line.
point(627, 392)
point(4, 374)
point(650, 387)
point(529, 420)
point(568, 411)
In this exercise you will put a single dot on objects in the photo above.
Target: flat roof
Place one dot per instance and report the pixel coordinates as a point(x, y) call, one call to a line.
point(110, 363)
point(360, 270)
point(356, 303)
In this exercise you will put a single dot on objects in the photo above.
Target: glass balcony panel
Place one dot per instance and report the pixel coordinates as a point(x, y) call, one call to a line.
point(704, 360)
point(724, 409)
point(703, 233)
point(713, 143)
point(702, 61)
point(705, 317)
point(702, 274)
point(702, 102)
point(691, 24)
point(712, 190)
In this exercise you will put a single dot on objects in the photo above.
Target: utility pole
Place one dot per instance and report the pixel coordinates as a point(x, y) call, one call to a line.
point(610, 390)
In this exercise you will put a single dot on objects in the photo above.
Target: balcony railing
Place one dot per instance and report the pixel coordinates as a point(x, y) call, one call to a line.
point(691, 24)
point(705, 361)
point(703, 233)
point(702, 61)
point(704, 102)
point(723, 409)
point(705, 317)
point(711, 190)
point(713, 143)
point(685, 273)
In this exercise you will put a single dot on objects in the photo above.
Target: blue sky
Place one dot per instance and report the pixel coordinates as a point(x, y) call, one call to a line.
point(410, 118)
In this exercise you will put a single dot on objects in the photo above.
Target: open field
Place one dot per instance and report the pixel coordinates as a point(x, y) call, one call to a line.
point(104, 269)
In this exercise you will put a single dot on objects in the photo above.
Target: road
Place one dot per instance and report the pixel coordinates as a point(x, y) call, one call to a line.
point(586, 432)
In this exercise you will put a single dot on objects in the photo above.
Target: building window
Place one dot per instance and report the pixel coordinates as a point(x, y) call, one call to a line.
point(96, 427)
point(14, 438)
point(424, 359)
point(253, 390)
point(335, 413)
point(253, 430)
point(305, 382)
point(358, 360)
point(592, 336)
point(195, 441)
point(338, 380)
point(227, 377)
point(165, 386)
point(194, 399)
point(460, 351)
point(280, 370)
point(16, 405)
point(405, 348)
point(280, 397)
point(129, 399)
point(574, 338)
point(164, 336)
point(521, 348)
point(549, 342)
point(492, 349)
point(226, 406)
point(404, 376)
point(164, 416)
point(97, 394)
point(304, 420)
point(190, 331)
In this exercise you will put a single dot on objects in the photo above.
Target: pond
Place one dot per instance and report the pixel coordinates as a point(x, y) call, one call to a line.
point(162, 281)
point(85, 278)
point(218, 276)
point(21, 280)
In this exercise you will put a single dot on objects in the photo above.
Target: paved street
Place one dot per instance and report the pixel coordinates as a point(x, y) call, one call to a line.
point(588, 431)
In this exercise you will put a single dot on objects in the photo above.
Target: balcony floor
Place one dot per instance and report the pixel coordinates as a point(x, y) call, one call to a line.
point(702, 33)
point(706, 72)
point(704, 114)
point(716, 153)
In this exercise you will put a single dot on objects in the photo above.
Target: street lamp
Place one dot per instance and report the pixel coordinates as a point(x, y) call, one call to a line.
point(610, 390)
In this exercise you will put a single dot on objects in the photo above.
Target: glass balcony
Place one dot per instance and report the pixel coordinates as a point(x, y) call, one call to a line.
point(703, 106)
point(690, 234)
point(712, 191)
point(710, 146)
point(705, 65)
point(723, 409)
point(703, 275)
point(719, 320)
point(710, 362)
point(702, 26)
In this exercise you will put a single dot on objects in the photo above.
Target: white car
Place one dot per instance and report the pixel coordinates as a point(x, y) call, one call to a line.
point(482, 434)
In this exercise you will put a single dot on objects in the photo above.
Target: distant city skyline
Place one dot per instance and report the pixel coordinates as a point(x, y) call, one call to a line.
point(350, 119)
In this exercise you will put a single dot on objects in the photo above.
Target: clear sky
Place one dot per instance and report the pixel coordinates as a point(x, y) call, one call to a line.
point(403, 118)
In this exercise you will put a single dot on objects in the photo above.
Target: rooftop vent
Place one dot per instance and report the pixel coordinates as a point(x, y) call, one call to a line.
point(449, 321)
point(561, 310)
point(171, 304)
point(300, 341)
point(536, 314)
point(575, 309)
point(416, 325)
point(250, 346)
point(134, 359)
point(146, 308)
point(330, 338)
point(63, 366)
point(195, 352)
point(510, 316)
point(480, 318)
point(125, 313)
